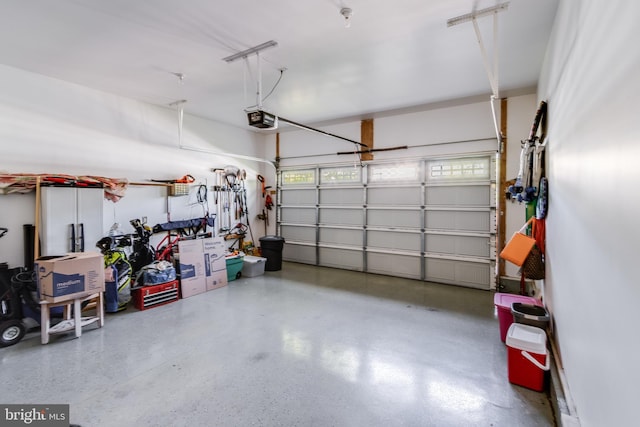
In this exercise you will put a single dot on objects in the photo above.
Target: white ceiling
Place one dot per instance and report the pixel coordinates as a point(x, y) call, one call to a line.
point(396, 55)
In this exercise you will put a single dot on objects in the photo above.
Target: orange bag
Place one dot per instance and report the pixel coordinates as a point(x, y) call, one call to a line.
point(518, 248)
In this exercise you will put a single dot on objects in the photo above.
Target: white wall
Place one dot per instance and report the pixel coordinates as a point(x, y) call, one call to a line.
point(520, 113)
point(591, 82)
point(425, 132)
point(51, 126)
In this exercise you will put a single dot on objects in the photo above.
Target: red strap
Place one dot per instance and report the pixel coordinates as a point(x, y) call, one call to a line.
point(538, 232)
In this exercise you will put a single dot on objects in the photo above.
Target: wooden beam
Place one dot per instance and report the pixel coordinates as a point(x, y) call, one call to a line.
point(502, 187)
point(366, 137)
point(36, 241)
point(150, 184)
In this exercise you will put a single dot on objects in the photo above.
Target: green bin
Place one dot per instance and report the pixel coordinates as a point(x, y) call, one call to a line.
point(234, 267)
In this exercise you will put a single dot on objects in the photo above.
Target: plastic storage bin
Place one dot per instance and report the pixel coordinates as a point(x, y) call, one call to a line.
point(253, 266)
point(234, 267)
point(503, 303)
point(271, 249)
point(530, 314)
point(527, 356)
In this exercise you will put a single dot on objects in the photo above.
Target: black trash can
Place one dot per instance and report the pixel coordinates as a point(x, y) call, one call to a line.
point(529, 314)
point(271, 249)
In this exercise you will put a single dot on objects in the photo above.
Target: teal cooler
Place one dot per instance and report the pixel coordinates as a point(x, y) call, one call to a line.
point(234, 267)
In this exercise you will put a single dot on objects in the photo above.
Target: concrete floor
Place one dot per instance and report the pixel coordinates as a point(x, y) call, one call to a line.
point(303, 346)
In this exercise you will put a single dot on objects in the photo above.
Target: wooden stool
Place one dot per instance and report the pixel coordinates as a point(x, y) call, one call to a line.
point(69, 324)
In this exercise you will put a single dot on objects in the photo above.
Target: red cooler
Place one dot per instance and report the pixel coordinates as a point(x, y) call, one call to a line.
point(503, 304)
point(527, 356)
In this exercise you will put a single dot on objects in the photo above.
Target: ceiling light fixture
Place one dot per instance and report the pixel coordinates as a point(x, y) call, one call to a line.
point(347, 13)
point(180, 77)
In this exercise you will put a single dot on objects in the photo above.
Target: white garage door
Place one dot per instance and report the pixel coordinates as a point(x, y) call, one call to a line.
point(430, 219)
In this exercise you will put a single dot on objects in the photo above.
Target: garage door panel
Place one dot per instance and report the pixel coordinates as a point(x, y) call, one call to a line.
point(299, 234)
point(458, 195)
point(393, 240)
point(394, 196)
point(394, 218)
point(341, 216)
point(429, 218)
point(458, 245)
point(299, 253)
point(471, 274)
point(338, 236)
point(298, 215)
point(477, 221)
point(341, 258)
point(342, 196)
point(394, 265)
point(298, 197)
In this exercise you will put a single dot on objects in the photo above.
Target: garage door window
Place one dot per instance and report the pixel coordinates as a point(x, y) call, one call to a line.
point(405, 172)
point(299, 177)
point(458, 169)
point(341, 175)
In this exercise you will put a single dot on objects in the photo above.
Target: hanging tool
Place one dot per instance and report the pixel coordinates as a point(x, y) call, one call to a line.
point(219, 198)
point(238, 205)
point(265, 187)
point(264, 217)
point(268, 203)
point(526, 184)
point(245, 204)
point(227, 207)
point(231, 174)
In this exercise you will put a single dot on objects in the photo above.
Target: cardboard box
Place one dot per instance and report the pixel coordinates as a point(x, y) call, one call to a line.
point(70, 276)
point(192, 269)
point(217, 279)
point(215, 261)
point(191, 288)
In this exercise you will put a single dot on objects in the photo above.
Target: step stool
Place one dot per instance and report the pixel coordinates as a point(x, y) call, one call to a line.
point(70, 324)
